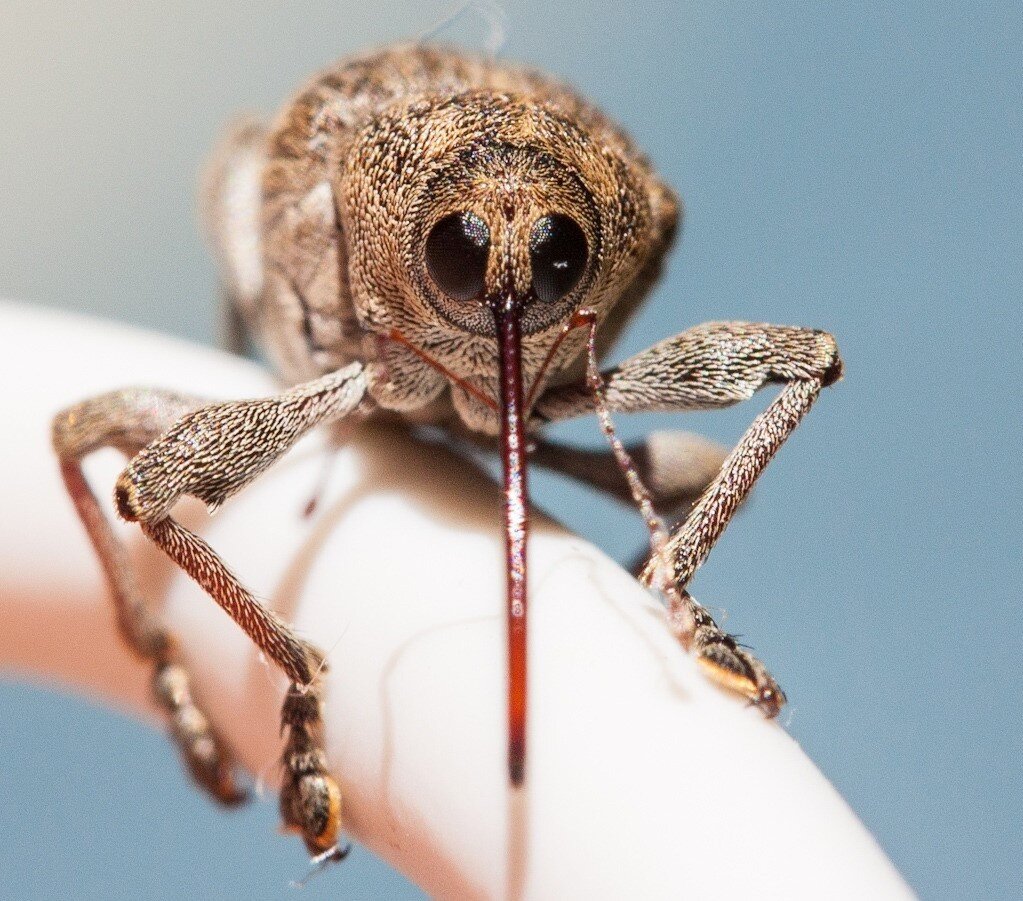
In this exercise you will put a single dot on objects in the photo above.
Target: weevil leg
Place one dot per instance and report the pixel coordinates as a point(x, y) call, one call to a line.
point(675, 466)
point(710, 367)
point(722, 658)
point(211, 453)
point(128, 420)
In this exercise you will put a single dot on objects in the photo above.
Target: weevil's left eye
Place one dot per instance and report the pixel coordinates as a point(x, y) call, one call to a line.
point(456, 255)
point(557, 250)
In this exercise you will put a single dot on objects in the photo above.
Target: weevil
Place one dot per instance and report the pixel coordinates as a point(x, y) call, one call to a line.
point(445, 239)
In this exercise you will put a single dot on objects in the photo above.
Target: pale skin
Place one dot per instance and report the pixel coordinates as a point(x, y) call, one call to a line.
point(440, 238)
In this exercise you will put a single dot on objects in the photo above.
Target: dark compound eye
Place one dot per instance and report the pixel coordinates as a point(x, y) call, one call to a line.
point(456, 255)
point(557, 248)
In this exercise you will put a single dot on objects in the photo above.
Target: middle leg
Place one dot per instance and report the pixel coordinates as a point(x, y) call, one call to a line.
point(675, 466)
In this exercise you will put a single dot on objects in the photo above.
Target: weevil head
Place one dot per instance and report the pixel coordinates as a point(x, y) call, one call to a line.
point(467, 205)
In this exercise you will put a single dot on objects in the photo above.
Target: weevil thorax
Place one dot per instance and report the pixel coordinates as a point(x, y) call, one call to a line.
point(455, 204)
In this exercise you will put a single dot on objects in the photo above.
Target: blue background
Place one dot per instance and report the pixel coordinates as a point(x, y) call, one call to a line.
point(850, 166)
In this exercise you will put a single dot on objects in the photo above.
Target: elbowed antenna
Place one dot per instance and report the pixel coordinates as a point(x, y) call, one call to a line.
point(506, 311)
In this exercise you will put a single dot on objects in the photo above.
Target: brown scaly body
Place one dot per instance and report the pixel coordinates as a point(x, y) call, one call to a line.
point(443, 238)
point(349, 176)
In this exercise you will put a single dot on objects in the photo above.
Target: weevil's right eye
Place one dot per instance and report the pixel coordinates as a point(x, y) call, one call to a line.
point(456, 255)
point(557, 248)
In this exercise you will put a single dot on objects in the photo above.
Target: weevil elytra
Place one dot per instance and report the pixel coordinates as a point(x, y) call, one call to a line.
point(444, 239)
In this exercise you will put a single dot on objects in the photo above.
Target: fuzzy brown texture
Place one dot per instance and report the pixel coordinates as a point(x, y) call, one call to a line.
point(373, 152)
point(320, 223)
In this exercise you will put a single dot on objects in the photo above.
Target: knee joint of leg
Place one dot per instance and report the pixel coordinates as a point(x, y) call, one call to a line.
point(832, 368)
point(126, 497)
point(60, 430)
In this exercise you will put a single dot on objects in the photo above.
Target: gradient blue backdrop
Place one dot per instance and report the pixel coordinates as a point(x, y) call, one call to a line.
point(852, 166)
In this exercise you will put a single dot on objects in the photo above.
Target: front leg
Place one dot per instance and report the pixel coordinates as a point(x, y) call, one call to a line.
point(710, 367)
point(211, 453)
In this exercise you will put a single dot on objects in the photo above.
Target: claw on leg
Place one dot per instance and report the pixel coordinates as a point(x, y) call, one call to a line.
point(310, 797)
point(721, 657)
point(204, 754)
